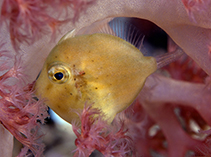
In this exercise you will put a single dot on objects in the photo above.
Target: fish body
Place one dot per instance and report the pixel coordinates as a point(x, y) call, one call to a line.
point(99, 69)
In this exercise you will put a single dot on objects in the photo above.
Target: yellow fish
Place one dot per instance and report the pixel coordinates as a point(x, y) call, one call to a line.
point(99, 68)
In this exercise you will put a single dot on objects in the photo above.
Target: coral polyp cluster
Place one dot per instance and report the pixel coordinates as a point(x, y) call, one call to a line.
point(94, 133)
point(27, 21)
point(19, 111)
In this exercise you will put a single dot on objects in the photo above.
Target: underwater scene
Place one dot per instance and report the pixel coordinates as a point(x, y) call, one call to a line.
point(95, 78)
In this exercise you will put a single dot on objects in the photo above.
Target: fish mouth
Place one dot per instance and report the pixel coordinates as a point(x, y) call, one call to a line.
point(38, 75)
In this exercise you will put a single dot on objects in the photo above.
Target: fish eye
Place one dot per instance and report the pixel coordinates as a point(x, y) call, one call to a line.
point(58, 73)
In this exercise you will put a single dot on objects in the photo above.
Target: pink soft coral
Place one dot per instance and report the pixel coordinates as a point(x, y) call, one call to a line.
point(96, 133)
point(173, 112)
point(19, 111)
point(196, 7)
point(29, 20)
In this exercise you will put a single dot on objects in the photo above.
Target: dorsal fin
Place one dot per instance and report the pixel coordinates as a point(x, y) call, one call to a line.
point(122, 29)
point(127, 31)
point(116, 27)
point(70, 34)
